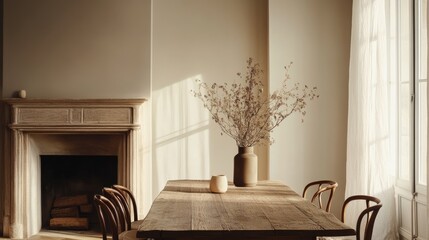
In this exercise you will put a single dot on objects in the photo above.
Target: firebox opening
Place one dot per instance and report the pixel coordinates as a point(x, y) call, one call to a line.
point(68, 184)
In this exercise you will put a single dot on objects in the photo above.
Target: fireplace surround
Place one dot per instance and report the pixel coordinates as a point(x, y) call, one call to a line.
point(36, 127)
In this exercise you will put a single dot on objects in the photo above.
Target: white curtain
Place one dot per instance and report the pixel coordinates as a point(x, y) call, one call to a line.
point(372, 103)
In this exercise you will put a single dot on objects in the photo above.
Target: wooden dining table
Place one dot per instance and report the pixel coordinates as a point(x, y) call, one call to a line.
point(186, 209)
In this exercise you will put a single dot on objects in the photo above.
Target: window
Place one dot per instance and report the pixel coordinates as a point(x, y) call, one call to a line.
point(412, 90)
point(412, 119)
point(420, 95)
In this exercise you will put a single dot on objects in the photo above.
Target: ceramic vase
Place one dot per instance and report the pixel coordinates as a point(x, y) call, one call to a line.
point(245, 167)
point(22, 93)
point(218, 184)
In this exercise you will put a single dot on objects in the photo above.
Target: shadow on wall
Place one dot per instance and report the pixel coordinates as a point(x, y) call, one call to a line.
point(180, 134)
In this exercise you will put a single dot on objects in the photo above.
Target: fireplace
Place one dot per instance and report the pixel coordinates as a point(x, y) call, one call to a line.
point(91, 128)
point(68, 184)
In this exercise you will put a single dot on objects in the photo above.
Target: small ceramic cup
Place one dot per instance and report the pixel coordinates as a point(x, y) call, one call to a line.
point(218, 184)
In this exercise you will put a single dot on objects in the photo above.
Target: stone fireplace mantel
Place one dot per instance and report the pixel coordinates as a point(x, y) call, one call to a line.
point(30, 121)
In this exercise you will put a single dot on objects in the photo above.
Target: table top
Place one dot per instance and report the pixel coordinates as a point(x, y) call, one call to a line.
point(271, 210)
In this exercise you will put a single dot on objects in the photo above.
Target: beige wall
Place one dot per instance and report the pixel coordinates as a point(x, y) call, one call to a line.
point(315, 35)
point(77, 49)
point(209, 40)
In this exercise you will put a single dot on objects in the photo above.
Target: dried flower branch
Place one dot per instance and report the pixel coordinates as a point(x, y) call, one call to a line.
point(242, 111)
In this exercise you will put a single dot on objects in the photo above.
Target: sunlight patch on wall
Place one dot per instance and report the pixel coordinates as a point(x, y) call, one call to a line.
point(180, 134)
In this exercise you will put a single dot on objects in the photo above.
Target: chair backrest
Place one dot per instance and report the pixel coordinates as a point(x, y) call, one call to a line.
point(121, 206)
point(128, 195)
point(319, 188)
point(372, 206)
point(107, 215)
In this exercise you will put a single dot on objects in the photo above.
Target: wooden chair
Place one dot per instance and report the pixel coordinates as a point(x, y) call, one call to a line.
point(121, 206)
point(370, 212)
point(319, 187)
point(109, 219)
point(127, 194)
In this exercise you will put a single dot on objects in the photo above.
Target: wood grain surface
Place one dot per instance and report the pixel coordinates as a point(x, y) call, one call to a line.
point(186, 209)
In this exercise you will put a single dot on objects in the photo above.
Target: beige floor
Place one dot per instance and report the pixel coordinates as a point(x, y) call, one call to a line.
point(60, 235)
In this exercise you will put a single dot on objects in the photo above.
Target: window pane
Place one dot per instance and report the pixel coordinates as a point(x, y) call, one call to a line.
point(421, 95)
point(405, 84)
point(422, 132)
point(404, 131)
point(422, 37)
point(406, 42)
